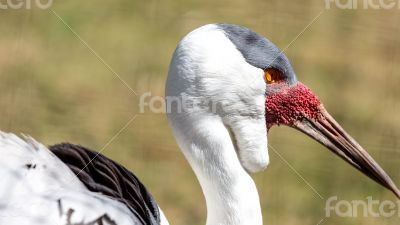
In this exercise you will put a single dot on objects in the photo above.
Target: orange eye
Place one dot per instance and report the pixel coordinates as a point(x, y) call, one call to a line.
point(272, 75)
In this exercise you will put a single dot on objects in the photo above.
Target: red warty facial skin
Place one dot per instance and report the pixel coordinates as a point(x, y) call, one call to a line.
point(291, 104)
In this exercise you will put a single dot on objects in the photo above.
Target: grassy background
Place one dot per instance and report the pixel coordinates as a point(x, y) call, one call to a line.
point(53, 88)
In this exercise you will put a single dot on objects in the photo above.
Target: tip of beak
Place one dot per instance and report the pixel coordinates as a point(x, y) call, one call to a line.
point(396, 191)
point(328, 132)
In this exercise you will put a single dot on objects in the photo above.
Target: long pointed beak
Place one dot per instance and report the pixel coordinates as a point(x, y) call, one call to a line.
point(329, 133)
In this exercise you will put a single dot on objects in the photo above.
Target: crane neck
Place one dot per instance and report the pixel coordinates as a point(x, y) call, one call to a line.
point(231, 194)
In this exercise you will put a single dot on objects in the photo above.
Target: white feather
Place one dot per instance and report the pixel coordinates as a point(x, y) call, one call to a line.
point(37, 188)
point(207, 68)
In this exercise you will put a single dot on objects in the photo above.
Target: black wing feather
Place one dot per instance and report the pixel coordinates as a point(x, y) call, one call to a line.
point(101, 174)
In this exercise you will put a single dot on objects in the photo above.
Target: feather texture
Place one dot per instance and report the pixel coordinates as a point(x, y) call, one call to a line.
point(37, 188)
point(101, 174)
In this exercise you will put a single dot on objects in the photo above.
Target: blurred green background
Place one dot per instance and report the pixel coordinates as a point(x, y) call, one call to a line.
point(55, 89)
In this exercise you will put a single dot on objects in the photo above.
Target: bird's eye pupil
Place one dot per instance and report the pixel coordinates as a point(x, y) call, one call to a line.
point(268, 77)
point(272, 76)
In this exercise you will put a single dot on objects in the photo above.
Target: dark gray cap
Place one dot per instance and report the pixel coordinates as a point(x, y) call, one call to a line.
point(258, 51)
